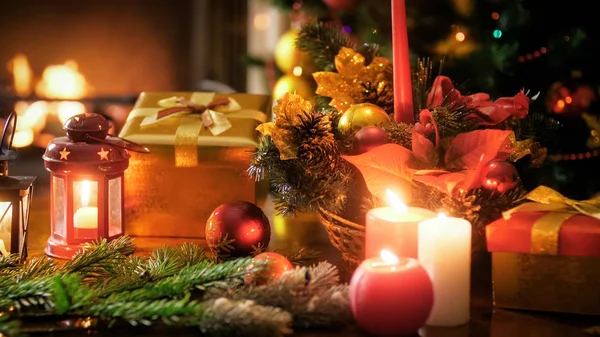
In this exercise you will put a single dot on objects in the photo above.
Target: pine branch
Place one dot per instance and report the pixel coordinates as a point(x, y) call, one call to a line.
point(311, 295)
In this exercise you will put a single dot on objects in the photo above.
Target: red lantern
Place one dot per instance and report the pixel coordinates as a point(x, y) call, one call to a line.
point(86, 184)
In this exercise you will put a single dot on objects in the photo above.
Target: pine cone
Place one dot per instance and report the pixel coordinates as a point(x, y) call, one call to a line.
point(383, 96)
point(317, 144)
point(462, 205)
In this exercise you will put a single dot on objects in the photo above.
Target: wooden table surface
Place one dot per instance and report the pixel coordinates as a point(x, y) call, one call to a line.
point(306, 231)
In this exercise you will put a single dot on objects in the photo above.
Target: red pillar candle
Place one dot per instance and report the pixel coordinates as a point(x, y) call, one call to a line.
point(403, 99)
point(390, 295)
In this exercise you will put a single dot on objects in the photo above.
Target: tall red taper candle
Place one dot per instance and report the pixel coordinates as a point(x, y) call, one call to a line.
point(403, 99)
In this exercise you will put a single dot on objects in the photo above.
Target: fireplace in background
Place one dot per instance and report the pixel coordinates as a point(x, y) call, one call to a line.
point(105, 52)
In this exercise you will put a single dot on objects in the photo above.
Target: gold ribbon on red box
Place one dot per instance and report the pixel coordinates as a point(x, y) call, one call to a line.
point(546, 230)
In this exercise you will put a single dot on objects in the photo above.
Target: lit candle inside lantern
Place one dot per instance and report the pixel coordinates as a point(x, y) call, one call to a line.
point(390, 295)
point(403, 99)
point(85, 219)
point(394, 228)
point(445, 252)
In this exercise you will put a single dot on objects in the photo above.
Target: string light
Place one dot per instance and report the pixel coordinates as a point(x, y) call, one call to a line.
point(495, 16)
point(497, 33)
point(460, 36)
point(297, 71)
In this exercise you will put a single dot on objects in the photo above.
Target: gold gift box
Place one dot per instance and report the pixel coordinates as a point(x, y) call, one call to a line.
point(546, 283)
point(172, 191)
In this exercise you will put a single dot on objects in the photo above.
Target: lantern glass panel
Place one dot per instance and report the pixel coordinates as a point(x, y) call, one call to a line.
point(85, 209)
point(5, 224)
point(58, 195)
point(115, 226)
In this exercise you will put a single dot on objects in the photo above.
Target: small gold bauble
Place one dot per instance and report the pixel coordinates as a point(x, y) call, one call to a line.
point(359, 116)
point(299, 85)
point(290, 59)
point(287, 56)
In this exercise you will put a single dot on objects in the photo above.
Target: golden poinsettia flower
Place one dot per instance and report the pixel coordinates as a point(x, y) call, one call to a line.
point(288, 111)
point(347, 85)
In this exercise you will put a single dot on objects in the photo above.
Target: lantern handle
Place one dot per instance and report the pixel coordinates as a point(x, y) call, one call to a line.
point(128, 145)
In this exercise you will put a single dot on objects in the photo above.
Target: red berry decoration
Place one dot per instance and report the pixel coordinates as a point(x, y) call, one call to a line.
point(369, 138)
point(241, 224)
point(277, 265)
point(499, 176)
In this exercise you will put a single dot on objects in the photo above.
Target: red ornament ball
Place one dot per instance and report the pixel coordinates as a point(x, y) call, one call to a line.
point(499, 176)
point(243, 222)
point(277, 264)
point(344, 5)
point(369, 138)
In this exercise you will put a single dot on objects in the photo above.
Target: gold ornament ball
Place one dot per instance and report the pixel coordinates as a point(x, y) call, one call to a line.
point(288, 57)
point(359, 116)
point(296, 85)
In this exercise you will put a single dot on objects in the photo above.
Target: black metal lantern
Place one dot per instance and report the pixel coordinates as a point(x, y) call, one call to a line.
point(15, 198)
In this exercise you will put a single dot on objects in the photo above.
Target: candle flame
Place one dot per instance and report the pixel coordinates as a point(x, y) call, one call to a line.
point(395, 202)
point(86, 190)
point(389, 257)
point(442, 215)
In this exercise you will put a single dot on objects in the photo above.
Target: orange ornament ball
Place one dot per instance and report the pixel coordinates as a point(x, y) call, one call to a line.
point(277, 265)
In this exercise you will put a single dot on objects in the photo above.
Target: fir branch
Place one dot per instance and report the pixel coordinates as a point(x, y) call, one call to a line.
point(244, 318)
point(35, 268)
point(163, 262)
point(299, 256)
point(311, 295)
point(295, 190)
point(190, 253)
point(399, 133)
point(323, 41)
point(21, 295)
point(179, 312)
point(199, 276)
point(9, 327)
point(100, 259)
point(8, 262)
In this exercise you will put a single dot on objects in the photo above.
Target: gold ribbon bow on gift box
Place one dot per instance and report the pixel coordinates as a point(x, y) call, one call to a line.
point(201, 112)
point(545, 232)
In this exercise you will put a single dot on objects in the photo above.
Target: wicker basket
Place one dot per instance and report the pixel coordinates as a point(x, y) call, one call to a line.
point(346, 236)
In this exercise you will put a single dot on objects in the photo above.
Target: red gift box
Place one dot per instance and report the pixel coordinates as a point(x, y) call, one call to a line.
point(546, 255)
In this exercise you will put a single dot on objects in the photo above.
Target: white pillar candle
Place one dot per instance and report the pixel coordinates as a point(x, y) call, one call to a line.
point(394, 228)
point(445, 253)
point(86, 217)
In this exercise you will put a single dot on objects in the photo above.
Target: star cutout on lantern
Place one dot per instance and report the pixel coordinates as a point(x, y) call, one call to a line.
point(347, 86)
point(64, 153)
point(103, 154)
